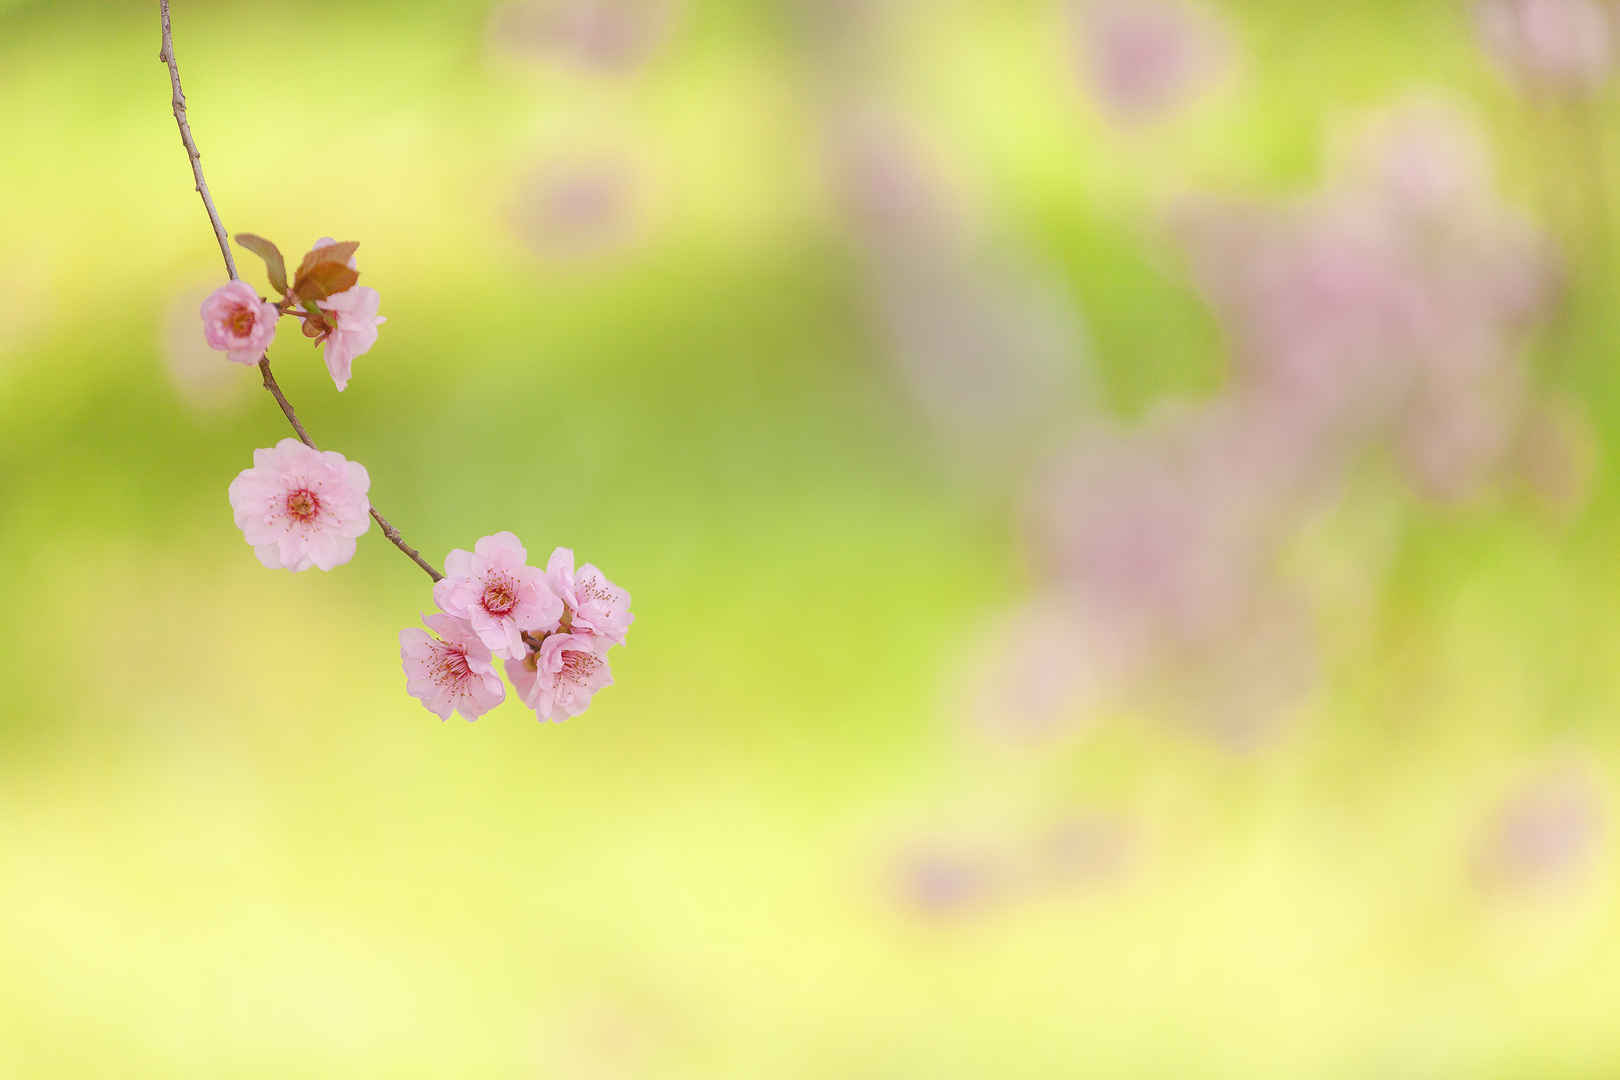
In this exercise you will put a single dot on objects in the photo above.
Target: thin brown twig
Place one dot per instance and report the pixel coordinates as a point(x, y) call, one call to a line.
point(274, 387)
point(398, 541)
point(178, 101)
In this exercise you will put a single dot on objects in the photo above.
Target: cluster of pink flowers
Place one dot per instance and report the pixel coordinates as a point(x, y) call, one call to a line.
point(299, 507)
point(337, 314)
point(1386, 312)
point(552, 628)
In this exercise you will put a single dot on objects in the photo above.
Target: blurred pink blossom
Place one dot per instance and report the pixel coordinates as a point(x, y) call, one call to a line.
point(1045, 669)
point(1559, 45)
point(606, 35)
point(300, 507)
point(559, 680)
point(1394, 302)
point(1087, 850)
point(986, 344)
point(1544, 834)
point(1144, 58)
point(937, 883)
point(494, 589)
point(583, 207)
point(1158, 532)
point(1319, 301)
point(1422, 159)
point(238, 323)
point(453, 672)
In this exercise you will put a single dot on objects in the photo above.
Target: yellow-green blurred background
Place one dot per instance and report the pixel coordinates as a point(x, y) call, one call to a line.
point(231, 845)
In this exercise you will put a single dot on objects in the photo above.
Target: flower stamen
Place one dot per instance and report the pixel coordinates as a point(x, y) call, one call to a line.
point(303, 505)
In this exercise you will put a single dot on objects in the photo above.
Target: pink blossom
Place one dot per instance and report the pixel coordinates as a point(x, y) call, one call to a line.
point(354, 313)
point(1424, 160)
point(585, 207)
point(611, 36)
point(1147, 57)
point(237, 322)
point(300, 507)
point(454, 674)
point(557, 681)
point(594, 604)
point(1546, 834)
point(1565, 45)
point(494, 590)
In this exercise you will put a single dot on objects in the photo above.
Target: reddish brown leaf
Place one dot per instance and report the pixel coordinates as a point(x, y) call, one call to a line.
point(322, 279)
point(271, 255)
point(338, 253)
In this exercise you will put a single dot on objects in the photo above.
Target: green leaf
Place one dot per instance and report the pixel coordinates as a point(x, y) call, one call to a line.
point(316, 324)
point(271, 255)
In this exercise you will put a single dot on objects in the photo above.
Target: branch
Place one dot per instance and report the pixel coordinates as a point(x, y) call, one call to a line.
point(178, 100)
point(271, 385)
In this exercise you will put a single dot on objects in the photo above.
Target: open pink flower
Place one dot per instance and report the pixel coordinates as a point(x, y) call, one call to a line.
point(354, 313)
point(595, 605)
point(557, 681)
point(498, 594)
point(237, 322)
point(300, 507)
point(452, 672)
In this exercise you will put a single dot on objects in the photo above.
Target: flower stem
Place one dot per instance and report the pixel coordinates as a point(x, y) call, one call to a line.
point(178, 102)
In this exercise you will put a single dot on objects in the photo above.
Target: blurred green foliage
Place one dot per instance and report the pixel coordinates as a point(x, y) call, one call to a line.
point(233, 846)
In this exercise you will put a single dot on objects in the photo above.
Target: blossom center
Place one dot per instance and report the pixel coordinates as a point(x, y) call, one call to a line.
point(452, 666)
point(499, 597)
point(303, 505)
point(241, 321)
point(578, 667)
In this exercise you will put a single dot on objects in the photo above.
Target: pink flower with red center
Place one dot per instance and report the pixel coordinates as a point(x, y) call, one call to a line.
point(559, 679)
point(237, 322)
point(594, 604)
point(494, 589)
point(300, 507)
point(453, 672)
